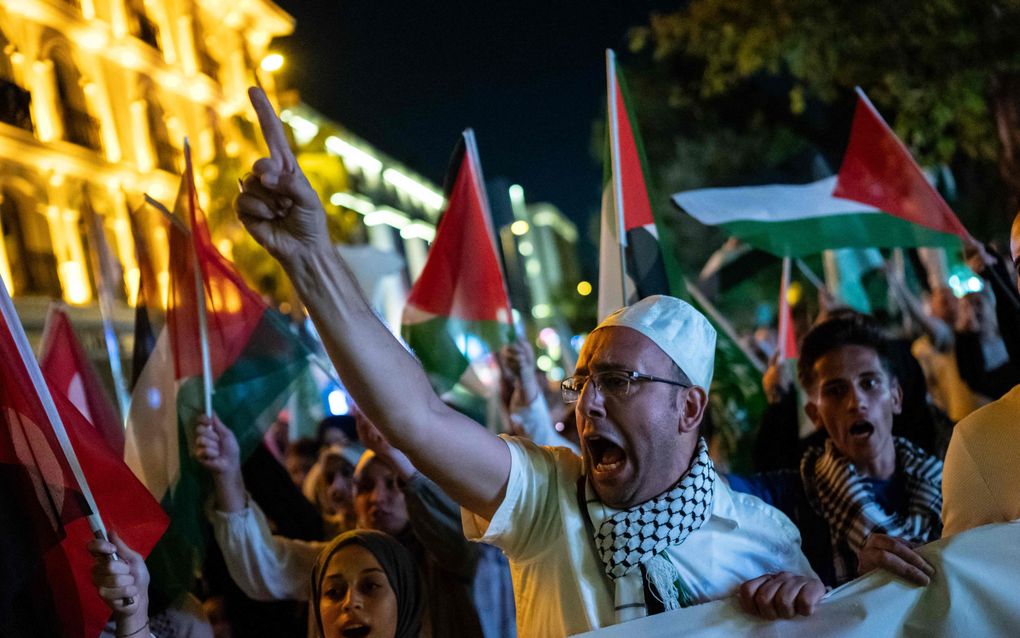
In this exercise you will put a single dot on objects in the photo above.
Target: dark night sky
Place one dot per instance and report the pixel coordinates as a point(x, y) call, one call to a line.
point(527, 75)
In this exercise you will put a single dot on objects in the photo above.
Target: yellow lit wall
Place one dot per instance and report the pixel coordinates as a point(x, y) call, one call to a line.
point(54, 168)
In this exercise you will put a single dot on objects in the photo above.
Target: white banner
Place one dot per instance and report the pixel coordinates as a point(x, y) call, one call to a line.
point(973, 593)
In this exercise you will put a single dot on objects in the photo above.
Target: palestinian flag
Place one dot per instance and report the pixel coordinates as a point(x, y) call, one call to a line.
point(58, 476)
point(878, 170)
point(66, 365)
point(255, 359)
point(650, 250)
point(798, 220)
point(458, 310)
point(630, 265)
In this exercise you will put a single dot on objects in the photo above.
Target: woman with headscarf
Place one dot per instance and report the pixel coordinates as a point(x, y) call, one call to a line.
point(365, 584)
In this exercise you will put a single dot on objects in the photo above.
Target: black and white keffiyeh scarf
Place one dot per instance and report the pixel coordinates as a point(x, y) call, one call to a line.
point(634, 544)
point(840, 494)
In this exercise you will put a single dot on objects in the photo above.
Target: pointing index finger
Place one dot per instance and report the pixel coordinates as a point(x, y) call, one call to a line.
point(272, 129)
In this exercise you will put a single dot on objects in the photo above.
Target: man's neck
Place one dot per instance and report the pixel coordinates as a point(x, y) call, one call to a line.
point(883, 466)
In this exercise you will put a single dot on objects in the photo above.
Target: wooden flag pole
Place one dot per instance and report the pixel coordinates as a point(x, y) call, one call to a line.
point(614, 156)
point(42, 390)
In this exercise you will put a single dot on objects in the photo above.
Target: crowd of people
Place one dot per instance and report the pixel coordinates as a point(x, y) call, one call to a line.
point(612, 508)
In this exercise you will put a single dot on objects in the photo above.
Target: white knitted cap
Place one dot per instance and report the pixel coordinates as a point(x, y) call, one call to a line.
point(679, 330)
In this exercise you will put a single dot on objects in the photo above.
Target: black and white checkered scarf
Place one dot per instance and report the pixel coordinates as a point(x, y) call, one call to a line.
point(640, 537)
point(838, 492)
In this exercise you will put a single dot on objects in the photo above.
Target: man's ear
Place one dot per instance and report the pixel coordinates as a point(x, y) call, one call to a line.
point(897, 397)
point(692, 408)
point(811, 410)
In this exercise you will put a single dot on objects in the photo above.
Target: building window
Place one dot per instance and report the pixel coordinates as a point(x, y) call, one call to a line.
point(26, 235)
point(140, 25)
point(15, 102)
point(79, 126)
point(206, 62)
point(167, 155)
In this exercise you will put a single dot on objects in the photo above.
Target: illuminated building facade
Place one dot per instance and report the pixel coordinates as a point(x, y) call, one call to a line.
point(96, 97)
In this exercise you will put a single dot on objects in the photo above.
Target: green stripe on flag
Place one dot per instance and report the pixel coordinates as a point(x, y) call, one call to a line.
point(442, 344)
point(810, 235)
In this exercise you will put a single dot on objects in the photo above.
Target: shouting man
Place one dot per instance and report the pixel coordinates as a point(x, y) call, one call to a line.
point(640, 524)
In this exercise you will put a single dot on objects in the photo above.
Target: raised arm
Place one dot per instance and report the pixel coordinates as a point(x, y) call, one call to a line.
point(282, 212)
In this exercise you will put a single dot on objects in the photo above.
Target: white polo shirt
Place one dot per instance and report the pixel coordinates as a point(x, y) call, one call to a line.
point(560, 584)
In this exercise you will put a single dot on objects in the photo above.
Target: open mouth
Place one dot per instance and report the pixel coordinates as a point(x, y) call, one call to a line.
point(356, 631)
point(606, 456)
point(861, 429)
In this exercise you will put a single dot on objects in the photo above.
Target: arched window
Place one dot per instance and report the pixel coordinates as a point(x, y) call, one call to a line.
point(26, 235)
point(15, 102)
point(167, 155)
point(79, 126)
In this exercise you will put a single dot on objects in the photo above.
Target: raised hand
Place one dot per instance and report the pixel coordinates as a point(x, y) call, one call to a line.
point(122, 584)
point(216, 449)
point(277, 205)
point(782, 595)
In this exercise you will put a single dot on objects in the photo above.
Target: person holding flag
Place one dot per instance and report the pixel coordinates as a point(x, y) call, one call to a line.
point(640, 389)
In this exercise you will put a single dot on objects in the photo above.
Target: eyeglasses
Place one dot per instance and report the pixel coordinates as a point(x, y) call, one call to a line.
point(611, 383)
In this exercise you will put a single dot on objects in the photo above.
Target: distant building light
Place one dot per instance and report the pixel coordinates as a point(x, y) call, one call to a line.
point(337, 403)
point(544, 363)
point(304, 129)
point(519, 227)
point(541, 311)
point(419, 230)
point(353, 156)
point(584, 288)
point(526, 247)
point(389, 216)
point(414, 188)
point(356, 203)
point(272, 63)
point(517, 195)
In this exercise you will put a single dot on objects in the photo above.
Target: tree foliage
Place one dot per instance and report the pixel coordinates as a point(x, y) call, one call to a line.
point(769, 78)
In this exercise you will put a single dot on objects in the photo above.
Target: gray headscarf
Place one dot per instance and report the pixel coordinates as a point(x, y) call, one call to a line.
point(400, 569)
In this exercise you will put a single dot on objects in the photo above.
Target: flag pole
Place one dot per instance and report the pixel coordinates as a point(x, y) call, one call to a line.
point(784, 309)
point(614, 156)
point(42, 390)
point(99, 255)
point(475, 160)
point(316, 359)
point(203, 311)
point(723, 323)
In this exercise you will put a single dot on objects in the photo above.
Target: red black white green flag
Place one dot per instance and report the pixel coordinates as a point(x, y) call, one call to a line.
point(630, 263)
point(254, 359)
point(458, 310)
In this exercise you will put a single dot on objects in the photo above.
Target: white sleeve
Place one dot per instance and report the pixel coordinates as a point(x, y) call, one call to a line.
point(534, 421)
point(264, 566)
point(530, 513)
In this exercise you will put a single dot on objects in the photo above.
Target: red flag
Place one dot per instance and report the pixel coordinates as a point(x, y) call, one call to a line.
point(51, 520)
point(233, 309)
point(66, 365)
point(878, 170)
point(460, 295)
